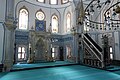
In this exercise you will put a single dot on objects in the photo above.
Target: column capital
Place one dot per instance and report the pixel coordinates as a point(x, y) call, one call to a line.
point(11, 24)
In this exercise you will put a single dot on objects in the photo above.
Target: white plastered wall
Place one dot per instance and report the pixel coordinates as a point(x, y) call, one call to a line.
point(49, 10)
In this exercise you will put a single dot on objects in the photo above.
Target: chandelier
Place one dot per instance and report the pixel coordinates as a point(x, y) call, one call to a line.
point(101, 15)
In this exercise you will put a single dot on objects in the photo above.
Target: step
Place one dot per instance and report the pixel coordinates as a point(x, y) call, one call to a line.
point(112, 68)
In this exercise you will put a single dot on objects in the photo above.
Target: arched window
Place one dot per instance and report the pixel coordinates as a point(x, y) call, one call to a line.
point(53, 1)
point(41, 1)
point(54, 24)
point(68, 22)
point(64, 1)
point(40, 15)
point(23, 19)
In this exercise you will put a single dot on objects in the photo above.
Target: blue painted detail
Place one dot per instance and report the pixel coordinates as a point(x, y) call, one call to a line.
point(63, 39)
point(68, 38)
point(21, 37)
point(40, 25)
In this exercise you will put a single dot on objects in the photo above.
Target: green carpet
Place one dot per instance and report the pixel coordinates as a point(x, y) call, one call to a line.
point(73, 72)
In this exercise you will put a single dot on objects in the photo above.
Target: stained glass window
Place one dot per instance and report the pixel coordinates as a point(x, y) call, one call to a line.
point(40, 15)
point(54, 24)
point(68, 26)
point(23, 19)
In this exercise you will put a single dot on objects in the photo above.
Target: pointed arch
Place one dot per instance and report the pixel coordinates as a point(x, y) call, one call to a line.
point(23, 18)
point(40, 15)
point(68, 22)
point(55, 23)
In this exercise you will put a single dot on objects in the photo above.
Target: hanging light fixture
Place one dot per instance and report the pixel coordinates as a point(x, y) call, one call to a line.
point(98, 5)
point(114, 14)
point(109, 28)
point(117, 25)
point(87, 12)
point(96, 26)
point(93, 26)
point(107, 2)
point(112, 25)
point(100, 27)
point(91, 10)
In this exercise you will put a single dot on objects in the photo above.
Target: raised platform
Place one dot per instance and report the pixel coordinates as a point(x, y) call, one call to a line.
point(113, 68)
point(26, 66)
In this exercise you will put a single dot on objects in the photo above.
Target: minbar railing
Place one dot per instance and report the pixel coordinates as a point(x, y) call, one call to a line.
point(91, 47)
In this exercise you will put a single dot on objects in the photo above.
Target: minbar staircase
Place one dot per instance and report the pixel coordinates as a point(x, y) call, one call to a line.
point(93, 53)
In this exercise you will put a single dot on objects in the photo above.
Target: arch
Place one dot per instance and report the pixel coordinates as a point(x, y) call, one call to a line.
point(68, 22)
point(40, 15)
point(54, 23)
point(23, 18)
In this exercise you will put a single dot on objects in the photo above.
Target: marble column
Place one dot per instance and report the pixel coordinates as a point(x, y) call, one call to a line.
point(10, 26)
point(9, 48)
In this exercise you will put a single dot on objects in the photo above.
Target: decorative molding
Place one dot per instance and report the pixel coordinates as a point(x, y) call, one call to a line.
point(21, 37)
point(10, 22)
point(61, 6)
point(39, 44)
